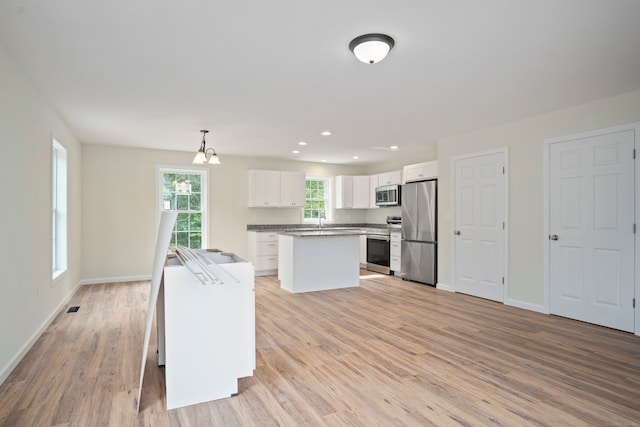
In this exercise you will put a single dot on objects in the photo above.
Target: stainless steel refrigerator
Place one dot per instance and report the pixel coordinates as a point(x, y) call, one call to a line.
point(419, 231)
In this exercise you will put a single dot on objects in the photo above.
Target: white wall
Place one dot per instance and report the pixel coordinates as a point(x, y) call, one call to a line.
point(524, 140)
point(30, 299)
point(119, 206)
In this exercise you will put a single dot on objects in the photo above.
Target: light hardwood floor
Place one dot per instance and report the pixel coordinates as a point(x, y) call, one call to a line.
point(388, 353)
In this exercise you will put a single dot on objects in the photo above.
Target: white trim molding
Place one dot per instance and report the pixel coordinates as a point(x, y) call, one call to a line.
point(6, 370)
point(118, 279)
point(444, 287)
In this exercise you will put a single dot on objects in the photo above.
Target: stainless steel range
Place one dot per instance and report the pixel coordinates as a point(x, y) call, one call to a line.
point(379, 246)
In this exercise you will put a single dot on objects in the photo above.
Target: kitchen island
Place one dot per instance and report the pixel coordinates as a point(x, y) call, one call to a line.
point(319, 260)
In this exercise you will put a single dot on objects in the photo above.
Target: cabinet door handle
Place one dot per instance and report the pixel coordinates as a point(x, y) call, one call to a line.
point(457, 232)
point(553, 237)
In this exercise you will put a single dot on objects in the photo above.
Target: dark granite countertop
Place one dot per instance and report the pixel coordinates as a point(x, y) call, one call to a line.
point(294, 227)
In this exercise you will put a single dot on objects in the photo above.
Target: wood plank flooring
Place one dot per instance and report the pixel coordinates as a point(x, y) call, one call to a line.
point(389, 353)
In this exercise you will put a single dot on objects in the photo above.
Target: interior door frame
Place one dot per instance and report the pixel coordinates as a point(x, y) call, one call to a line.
point(505, 262)
point(546, 206)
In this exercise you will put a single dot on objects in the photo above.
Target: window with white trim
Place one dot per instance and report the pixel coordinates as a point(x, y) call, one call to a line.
point(185, 191)
point(318, 199)
point(58, 209)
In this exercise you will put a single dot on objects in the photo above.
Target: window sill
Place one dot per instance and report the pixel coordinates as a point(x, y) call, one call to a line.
point(58, 274)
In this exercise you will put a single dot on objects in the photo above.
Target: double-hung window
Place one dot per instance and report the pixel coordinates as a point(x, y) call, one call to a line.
point(58, 209)
point(318, 200)
point(185, 191)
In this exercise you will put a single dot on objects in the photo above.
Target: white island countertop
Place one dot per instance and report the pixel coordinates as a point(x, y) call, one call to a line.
point(318, 260)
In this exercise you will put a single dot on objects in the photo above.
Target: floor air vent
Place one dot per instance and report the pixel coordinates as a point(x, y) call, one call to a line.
point(73, 309)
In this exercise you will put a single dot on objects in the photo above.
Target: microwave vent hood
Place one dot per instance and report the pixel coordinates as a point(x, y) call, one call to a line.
point(388, 195)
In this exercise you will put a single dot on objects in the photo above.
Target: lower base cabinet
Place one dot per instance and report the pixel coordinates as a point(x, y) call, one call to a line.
point(395, 260)
point(263, 252)
point(206, 334)
point(363, 251)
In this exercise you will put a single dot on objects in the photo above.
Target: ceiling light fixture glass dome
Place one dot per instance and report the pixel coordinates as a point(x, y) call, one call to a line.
point(371, 48)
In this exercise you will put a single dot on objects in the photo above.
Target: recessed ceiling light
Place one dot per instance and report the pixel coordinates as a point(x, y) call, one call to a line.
point(325, 133)
point(296, 152)
point(356, 157)
point(393, 147)
point(302, 143)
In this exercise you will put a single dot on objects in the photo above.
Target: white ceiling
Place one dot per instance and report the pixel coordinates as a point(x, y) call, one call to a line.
point(264, 75)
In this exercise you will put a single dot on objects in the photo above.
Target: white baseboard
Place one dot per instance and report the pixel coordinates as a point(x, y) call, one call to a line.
point(444, 287)
point(6, 370)
point(526, 305)
point(266, 273)
point(115, 280)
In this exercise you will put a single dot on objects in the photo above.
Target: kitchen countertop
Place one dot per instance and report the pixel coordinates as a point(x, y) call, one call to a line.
point(324, 233)
point(309, 227)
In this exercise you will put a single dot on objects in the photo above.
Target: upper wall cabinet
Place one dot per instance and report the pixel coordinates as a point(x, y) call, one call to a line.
point(292, 189)
point(389, 178)
point(275, 189)
point(420, 171)
point(344, 192)
point(361, 194)
point(352, 192)
point(373, 184)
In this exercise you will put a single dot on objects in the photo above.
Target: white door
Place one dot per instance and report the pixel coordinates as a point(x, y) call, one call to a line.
point(591, 226)
point(479, 211)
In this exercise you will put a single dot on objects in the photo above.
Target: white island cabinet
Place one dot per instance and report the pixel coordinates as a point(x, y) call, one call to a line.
point(206, 332)
point(319, 260)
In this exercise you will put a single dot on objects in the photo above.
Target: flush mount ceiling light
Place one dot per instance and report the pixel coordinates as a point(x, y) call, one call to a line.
point(206, 155)
point(371, 48)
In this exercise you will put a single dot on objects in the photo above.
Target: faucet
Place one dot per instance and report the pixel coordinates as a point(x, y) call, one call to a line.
point(319, 221)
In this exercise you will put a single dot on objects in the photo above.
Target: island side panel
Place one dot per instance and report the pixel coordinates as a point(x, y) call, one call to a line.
point(285, 262)
point(316, 263)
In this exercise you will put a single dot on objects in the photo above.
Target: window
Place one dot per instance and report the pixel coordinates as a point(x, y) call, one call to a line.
point(318, 205)
point(185, 191)
point(58, 209)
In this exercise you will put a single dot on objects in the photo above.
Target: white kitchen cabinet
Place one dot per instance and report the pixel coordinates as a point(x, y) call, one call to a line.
point(363, 251)
point(276, 189)
point(264, 188)
point(361, 194)
point(318, 262)
point(390, 178)
point(292, 189)
point(206, 334)
point(352, 192)
point(344, 192)
point(373, 184)
point(395, 253)
point(420, 171)
point(263, 252)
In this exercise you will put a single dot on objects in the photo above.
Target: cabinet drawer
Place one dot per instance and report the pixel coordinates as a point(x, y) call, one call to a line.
point(266, 263)
point(394, 263)
point(267, 237)
point(266, 248)
point(395, 236)
point(394, 249)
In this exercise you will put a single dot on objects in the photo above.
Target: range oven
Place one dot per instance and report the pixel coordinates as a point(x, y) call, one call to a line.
point(378, 252)
point(379, 246)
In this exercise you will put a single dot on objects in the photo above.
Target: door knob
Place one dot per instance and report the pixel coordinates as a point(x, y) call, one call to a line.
point(457, 232)
point(553, 237)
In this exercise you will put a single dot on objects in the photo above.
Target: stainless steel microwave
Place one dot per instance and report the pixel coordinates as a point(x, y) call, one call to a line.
point(388, 195)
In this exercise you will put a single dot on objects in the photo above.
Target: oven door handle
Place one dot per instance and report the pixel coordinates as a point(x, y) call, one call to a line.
point(378, 237)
